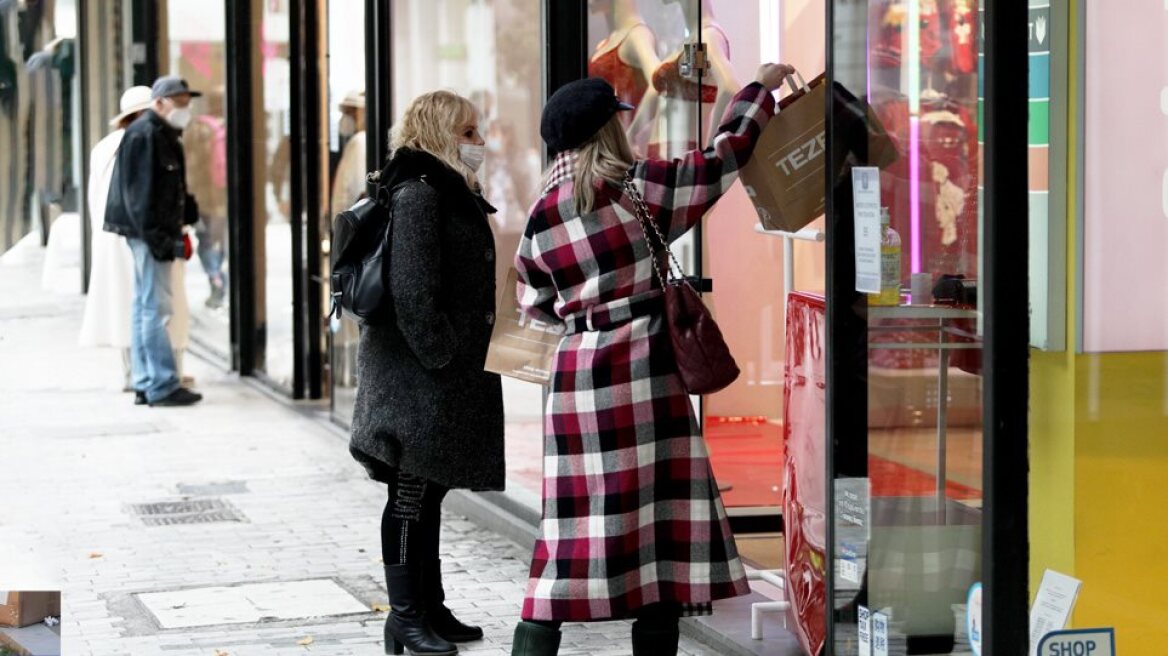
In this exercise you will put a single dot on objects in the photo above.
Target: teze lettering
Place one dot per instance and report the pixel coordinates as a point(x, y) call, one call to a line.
point(804, 154)
point(525, 321)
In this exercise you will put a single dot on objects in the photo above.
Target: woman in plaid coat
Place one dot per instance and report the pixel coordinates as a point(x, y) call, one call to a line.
point(633, 525)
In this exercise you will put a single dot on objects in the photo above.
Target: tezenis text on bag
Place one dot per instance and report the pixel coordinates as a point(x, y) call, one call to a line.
point(803, 154)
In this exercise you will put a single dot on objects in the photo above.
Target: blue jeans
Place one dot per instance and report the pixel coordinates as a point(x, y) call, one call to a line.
point(152, 360)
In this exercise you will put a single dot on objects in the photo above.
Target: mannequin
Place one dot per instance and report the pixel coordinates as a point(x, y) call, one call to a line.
point(627, 59)
point(677, 133)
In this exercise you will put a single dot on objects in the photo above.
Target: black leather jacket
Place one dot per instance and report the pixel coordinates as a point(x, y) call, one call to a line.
point(148, 196)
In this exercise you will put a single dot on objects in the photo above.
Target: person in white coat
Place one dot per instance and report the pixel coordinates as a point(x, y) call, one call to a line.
point(106, 322)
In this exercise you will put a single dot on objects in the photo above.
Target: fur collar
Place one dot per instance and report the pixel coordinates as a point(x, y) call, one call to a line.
point(408, 163)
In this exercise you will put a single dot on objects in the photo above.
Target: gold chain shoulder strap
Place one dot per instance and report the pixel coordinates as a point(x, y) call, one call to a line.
point(641, 209)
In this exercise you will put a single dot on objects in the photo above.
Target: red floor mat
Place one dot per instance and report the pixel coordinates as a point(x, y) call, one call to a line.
point(891, 479)
point(748, 456)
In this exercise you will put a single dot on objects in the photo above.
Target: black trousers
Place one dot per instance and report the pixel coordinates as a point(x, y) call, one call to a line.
point(411, 521)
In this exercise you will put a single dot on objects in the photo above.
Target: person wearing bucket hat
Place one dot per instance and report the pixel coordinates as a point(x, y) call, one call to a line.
point(633, 525)
point(106, 319)
point(149, 205)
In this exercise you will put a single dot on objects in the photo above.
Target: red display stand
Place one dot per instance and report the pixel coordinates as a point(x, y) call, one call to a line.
point(804, 467)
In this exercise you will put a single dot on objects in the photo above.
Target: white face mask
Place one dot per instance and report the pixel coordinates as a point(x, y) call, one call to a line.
point(472, 155)
point(180, 118)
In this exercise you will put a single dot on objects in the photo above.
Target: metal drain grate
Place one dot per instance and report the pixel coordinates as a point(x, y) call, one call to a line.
point(187, 511)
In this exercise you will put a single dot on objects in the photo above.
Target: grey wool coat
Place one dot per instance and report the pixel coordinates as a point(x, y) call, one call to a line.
point(424, 403)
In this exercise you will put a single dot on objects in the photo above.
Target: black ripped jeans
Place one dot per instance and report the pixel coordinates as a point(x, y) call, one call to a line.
point(411, 521)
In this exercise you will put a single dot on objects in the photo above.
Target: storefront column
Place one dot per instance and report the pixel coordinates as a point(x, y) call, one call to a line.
point(241, 57)
point(1005, 534)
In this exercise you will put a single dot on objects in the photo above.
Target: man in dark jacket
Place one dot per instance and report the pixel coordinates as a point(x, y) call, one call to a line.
point(148, 204)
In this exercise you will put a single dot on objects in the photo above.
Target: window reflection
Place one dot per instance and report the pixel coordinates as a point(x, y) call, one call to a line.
point(347, 166)
point(195, 50)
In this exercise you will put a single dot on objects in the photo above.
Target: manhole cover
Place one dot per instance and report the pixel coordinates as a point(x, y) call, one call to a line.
point(187, 511)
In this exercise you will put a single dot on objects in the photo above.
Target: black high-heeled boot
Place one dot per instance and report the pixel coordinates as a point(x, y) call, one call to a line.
point(444, 623)
point(406, 626)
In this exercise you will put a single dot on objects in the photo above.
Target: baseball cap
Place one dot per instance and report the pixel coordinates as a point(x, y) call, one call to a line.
point(171, 85)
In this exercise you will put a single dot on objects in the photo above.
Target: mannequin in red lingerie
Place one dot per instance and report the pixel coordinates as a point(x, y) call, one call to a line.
point(626, 59)
point(715, 90)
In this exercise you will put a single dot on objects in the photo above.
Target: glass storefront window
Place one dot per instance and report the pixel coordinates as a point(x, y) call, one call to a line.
point(908, 471)
point(39, 168)
point(347, 168)
point(274, 189)
point(488, 51)
point(194, 49)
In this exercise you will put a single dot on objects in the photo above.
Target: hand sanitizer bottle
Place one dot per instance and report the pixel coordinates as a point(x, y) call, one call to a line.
point(889, 263)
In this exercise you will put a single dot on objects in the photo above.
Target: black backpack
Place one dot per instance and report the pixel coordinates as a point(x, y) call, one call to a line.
point(361, 243)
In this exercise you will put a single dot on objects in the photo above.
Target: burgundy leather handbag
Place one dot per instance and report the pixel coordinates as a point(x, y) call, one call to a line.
point(703, 359)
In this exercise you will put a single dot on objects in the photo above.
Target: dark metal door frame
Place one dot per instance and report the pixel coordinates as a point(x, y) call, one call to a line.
point(239, 105)
point(378, 81)
point(1005, 535)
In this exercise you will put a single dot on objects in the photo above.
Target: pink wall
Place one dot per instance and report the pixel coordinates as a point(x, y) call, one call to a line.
point(1125, 240)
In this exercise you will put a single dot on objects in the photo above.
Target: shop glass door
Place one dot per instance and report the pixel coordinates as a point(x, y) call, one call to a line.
point(743, 424)
point(907, 426)
point(274, 223)
point(344, 118)
point(193, 47)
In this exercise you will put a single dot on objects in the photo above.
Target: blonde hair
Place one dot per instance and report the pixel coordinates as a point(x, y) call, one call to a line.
point(605, 157)
point(431, 123)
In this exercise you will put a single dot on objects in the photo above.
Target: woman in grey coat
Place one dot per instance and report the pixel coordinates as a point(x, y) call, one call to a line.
point(428, 418)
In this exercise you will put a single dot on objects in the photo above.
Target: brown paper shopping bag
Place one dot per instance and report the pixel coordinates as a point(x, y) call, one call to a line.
point(785, 178)
point(521, 347)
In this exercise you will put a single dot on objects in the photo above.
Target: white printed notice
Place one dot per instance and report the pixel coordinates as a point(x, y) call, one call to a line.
point(866, 210)
point(1053, 605)
point(864, 622)
point(879, 634)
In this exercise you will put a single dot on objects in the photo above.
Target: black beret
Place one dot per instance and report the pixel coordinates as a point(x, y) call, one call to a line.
point(576, 111)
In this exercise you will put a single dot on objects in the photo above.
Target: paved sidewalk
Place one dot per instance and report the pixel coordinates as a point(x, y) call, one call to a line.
point(76, 455)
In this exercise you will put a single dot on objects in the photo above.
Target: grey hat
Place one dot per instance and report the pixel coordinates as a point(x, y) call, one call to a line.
point(171, 85)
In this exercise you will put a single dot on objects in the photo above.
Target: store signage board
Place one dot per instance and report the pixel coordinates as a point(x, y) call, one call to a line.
point(866, 210)
point(1078, 642)
point(1052, 607)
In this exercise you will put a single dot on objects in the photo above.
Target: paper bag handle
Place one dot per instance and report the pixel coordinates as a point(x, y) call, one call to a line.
point(802, 83)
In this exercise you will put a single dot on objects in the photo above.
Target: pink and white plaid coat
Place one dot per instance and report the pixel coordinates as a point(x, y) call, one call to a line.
point(631, 513)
